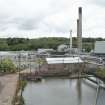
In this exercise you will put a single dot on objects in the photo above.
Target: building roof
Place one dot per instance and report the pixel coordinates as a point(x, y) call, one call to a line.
point(99, 47)
point(64, 60)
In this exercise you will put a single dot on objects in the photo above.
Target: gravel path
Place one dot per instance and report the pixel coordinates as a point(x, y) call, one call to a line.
point(8, 85)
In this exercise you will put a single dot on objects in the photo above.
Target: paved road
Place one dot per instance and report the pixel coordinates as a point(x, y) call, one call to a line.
point(8, 85)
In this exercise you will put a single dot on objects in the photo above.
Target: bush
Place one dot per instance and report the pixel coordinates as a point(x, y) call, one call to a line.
point(6, 65)
point(101, 73)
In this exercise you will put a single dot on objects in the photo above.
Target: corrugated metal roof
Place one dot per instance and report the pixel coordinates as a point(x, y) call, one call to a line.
point(64, 60)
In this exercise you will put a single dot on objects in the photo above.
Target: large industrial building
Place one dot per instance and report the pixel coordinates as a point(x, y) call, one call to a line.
point(99, 48)
point(65, 64)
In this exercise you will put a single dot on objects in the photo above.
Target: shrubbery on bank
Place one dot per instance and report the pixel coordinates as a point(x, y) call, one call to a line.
point(18, 99)
point(7, 66)
point(101, 73)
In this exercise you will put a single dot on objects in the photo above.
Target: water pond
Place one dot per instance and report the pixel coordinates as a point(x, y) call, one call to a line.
point(60, 92)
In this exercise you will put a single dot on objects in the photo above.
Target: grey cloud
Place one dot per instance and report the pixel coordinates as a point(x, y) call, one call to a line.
point(31, 23)
point(27, 24)
point(25, 21)
point(99, 2)
point(3, 23)
point(59, 29)
point(21, 23)
point(23, 16)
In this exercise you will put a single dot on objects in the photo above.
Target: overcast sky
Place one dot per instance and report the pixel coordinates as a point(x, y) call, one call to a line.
point(50, 18)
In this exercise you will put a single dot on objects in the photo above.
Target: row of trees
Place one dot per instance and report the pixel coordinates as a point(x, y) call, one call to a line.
point(16, 44)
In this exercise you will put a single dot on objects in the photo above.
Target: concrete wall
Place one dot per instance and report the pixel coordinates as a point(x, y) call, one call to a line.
point(66, 67)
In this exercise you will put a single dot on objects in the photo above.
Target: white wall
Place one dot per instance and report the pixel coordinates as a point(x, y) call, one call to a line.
point(99, 47)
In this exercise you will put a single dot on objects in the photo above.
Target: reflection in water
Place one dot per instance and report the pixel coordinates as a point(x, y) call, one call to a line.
point(59, 92)
point(79, 92)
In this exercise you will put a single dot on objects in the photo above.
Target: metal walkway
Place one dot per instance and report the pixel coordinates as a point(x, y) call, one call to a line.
point(101, 96)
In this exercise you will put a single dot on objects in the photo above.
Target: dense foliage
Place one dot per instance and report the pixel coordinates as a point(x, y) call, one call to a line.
point(16, 44)
point(101, 73)
point(6, 65)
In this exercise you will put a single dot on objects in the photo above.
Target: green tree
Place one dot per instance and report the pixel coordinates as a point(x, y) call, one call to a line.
point(6, 65)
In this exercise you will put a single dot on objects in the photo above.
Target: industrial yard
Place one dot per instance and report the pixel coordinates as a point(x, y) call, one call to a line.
point(66, 68)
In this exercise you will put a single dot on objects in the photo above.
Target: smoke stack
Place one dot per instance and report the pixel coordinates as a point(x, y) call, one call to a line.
point(70, 39)
point(78, 38)
point(79, 29)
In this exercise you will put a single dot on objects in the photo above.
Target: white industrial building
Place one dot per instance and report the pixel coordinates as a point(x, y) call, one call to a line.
point(65, 64)
point(99, 48)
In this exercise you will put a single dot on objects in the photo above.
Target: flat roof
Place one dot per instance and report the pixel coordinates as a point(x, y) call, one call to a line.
point(62, 60)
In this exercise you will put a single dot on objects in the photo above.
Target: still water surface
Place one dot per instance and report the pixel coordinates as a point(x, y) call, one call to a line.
point(60, 92)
